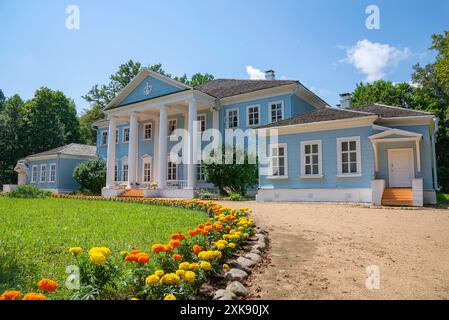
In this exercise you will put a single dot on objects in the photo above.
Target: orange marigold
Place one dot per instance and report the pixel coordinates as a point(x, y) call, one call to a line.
point(135, 251)
point(178, 236)
point(10, 295)
point(192, 233)
point(168, 248)
point(33, 296)
point(131, 257)
point(47, 285)
point(177, 256)
point(196, 248)
point(143, 257)
point(156, 248)
point(174, 243)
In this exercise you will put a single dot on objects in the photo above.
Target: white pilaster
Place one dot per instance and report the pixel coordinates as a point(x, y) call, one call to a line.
point(132, 149)
point(110, 161)
point(162, 155)
point(191, 165)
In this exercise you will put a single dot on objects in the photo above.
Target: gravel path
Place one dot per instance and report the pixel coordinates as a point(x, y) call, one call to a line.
point(321, 251)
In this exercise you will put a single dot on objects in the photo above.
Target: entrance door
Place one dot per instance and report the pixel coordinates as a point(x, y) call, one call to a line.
point(400, 167)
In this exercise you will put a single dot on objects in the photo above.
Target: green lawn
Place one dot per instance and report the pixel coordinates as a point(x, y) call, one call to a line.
point(443, 198)
point(36, 233)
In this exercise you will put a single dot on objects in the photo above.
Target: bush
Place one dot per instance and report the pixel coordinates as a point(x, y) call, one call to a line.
point(28, 191)
point(91, 175)
point(235, 196)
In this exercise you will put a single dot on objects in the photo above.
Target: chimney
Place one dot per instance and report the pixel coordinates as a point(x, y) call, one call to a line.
point(345, 100)
point(269, 75)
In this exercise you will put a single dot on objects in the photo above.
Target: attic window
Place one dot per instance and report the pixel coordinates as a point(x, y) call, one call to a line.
point(148, 88)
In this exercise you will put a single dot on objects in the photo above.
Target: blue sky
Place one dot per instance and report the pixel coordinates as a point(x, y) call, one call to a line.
point(324, 44)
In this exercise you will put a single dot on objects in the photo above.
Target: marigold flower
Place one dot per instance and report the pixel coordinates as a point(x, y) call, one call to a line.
point(190, 276)
point(228, 227)
point(97, 257)
point(47, 285)
point(171, 279)
point(170, 297)
point(152, 280)
point(131, 258)
point(135, 251)
point(177, 256)
point(33, 296)
point(75, 250)
point(184, 266)
point(225, 266)
point(10, 295)
point(180, 272)
point(221, 246)
point(196, 248)
point(142, 257)
point(168, 248)
point(178, 236)
point(232, 245)
point(192, 233)
point(159, 273)
point(205, 265)
point(134, 299)
point(156, 248)
point(174, 243)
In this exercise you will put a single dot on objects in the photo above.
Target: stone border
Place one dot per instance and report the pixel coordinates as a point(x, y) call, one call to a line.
point(241, 267)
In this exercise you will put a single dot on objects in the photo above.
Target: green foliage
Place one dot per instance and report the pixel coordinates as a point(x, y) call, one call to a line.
point(235, 196)
point(28, 191)
point(91, 175)
point(443, 198)
point(231, 178)
point(385, 92)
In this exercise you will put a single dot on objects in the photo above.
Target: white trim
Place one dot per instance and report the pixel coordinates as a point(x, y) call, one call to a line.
point(412, 164)
point(259, 94)
point(123, 134)
point(319, 175)
point(103, 132)
point(124, 161)
point(33, 177)
point(390, 132)
point(176, 170)
point(203, 114)
point(43, 166)
point(270, 104)
point(227, 118)
point(151, 131)
point(247, 115)
point(49, 173)
point(147, 159)
point(169, 134)
point(340, 173)
point(277, 146)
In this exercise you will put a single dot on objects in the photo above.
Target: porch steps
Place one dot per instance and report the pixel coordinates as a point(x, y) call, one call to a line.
point(397, 197)
point(132, 193)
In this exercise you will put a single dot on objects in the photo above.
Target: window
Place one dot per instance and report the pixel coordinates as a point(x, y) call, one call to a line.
point(125, 138)
point(104, 138)
point(125, 172)
point(146, 169)
point(147, 131)
point(52, 172)
point(172, 124)
point(253, 115)
point(43, 173)
point(232, 118)
point(202, 122)
point(200, 175)
point(116, 136)
point(276, 111)
point(278, 158)
point(116, 173)
point(311, 159)
point(348, 156)
point(34, 173)
point(172, 171)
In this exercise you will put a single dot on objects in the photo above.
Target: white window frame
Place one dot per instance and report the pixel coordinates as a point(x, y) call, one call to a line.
point(34, 169)
point(227, 118)
point(200, 172)
point(271, 173)
point(145, 130)
point(258, 115)
point(168, 170)
point(275, 103)
point(116, 136)
point(303, 159)
point(170, 133)
point(147, 160)
point(43, 176)
point(358, 157)
point(123, 134)
point(104, 137)
point(50, 178)
point(201, 121)
point(125, 163)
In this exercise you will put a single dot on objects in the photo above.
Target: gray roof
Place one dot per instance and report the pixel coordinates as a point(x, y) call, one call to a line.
point(70, 149)
point(222, 88)
point(386, 111)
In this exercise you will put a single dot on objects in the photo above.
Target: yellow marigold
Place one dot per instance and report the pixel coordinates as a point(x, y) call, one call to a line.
point(190, 276)
point(134, 299)
point(33, 296)
point(75, 250)
point(225, 266)
point(47, 285)
point(10, 295)
point(159, 273)
point(97, 257)
point(216, 255)
point(194, 266)
point(184, 266)
point(171, 279)
point(232, 245)
point(170, 297)
point(180, 272)
point(152, 280)
point(221, 246)
point(205, 265)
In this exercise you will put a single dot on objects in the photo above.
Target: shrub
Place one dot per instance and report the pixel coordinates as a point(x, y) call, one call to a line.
point(28, 191)
point(91, 175)
point(235, 196)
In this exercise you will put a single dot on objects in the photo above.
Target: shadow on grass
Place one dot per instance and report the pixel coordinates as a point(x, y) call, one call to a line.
point(14, 274)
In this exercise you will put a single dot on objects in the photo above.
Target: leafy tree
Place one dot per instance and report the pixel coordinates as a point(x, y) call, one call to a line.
point(385, 92)
point(231, 178)
point(2, 99)
point(91, 175)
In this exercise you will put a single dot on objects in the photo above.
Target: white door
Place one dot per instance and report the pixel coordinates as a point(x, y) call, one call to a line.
point(400, 167)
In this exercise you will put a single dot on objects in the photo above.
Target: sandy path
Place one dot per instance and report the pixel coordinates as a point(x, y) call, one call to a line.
point(321, 251)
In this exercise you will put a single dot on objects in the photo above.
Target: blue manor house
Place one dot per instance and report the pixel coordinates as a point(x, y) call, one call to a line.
point(371, 154)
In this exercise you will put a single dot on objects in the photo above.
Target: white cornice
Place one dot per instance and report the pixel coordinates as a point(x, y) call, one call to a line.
point(259, 94)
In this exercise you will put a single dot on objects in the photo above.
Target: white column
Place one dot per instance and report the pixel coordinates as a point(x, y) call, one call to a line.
point(191, 165)
point(132, 149)
point(215, 119)
point(162, 156)
point(110, 161)
point(155, 168)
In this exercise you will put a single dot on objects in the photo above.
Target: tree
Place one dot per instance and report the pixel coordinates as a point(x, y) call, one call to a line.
point(385, 92)
point(91, 175)
point(2, 99)
point(231, 178)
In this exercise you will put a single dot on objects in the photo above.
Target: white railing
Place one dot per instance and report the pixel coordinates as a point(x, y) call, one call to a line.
point(176, 184)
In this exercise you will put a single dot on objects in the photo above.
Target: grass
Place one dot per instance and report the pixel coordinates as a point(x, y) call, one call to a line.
point(443, 198)
point(36, 233)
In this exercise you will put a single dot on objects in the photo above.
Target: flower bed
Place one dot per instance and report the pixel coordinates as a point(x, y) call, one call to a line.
point(169, 271)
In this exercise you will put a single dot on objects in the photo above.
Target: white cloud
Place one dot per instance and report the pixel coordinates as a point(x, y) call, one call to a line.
point(255, 74)
point(372, 58)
